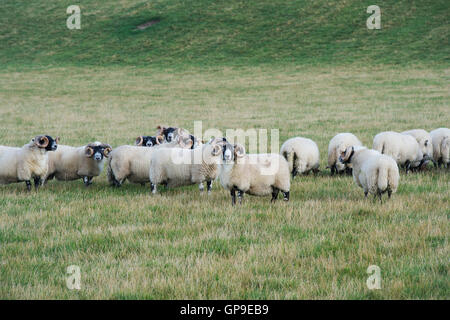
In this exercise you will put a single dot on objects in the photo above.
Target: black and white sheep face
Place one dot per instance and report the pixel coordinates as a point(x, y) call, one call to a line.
point(346, 156)
point(97, 152)
point(149, 141)
point(46, 142)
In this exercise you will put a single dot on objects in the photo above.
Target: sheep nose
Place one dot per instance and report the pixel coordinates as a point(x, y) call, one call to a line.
point(97, 157)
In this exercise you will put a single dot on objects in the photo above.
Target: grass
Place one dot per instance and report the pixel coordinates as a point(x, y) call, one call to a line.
point(232, 32)
point(180, 244)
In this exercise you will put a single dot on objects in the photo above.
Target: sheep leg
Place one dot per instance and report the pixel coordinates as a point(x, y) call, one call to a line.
point(294, 173)
point(37, 182)
point(407, 166)
point(366, 193)
point(275, 192)
point(209, 186)
point(333, 169)
point(379, 196)
point(201, 187)
point(153, 187)
point(240, 196)
point(389, 193)
point(348, 171)
point(286, 196)
point(233, 196)
point(28, 183)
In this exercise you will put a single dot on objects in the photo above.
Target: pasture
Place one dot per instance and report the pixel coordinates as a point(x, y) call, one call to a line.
point(184, 245)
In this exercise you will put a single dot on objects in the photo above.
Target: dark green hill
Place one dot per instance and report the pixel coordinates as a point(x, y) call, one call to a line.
point(230, 32)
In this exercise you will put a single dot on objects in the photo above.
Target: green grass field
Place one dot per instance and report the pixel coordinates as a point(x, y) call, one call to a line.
point(306, 68)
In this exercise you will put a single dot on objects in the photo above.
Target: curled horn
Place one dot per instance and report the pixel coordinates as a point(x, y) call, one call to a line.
point(217, 149)
point(89, 151)
point(41, 141)
point(159, 139)
point(239, 150)
point(107, 149)
point(139, 141)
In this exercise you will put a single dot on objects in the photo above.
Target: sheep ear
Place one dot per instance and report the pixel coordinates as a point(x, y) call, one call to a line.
point(57, 140)
point(89, 152)
point(139, 141)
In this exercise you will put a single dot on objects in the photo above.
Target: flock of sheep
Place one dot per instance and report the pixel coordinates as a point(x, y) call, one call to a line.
point(173, 157)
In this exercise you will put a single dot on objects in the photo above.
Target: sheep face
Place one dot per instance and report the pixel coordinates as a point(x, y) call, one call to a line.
point(149, 141)
point(231, 152)
point(171, 133)
point(46, 142)
point(97, 152)
point(346, 156)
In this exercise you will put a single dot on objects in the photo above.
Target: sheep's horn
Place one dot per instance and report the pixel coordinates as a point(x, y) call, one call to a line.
point(41, 141)
point(159, 139)
point(89, 152)
point(139, 141)
point(107, 151)
point(57, 140)
point(216, 150)
point(239, 150)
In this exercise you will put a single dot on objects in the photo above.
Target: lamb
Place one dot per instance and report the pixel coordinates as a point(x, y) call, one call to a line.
point(133, 162)
point(148, 141)
point(374, 172)
point(302, 155)
point(71, 163)
point(403, 148)
point(171, 133)
point(441, 147)
point(254, 174)
point(181, 167)
point(28, 162)
point(337, 145)
point(424, 140)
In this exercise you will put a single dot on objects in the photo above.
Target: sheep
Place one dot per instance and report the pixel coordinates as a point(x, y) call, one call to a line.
point(302, 155)
point(254, 174)
point(374, 172)
point(181, 167)
point(338, 144)
point(403, 148)
point(133, 162)
point(424, 140)
point(28, 162)
point(148, 141)
point(171, 133)
point(71, 163)
point(441, 147)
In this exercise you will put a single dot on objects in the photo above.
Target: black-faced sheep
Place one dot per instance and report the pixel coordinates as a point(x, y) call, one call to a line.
point(254, 174)
point(28, 162)
point(72, 163)
point(338, 144)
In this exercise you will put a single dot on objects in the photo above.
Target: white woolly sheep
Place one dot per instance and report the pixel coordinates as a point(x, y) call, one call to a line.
point(441, 147)
point(175, 167)
point(302, 155)
point(133, 162)
point(374, 172)
point(254, 174)
point(424, 140)
point(338, 144)
point(403, 148)
point(71, 163)
point(28, 162)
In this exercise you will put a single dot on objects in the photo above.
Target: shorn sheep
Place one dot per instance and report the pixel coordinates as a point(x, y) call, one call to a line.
point(254, 174)
point(72, 163)
point(424, 140)
point(338, 144)
point(403, 148)
point(441, 147)
point(302, 155)
point(375, 173)
point(148, 141)
point(176, 167)
point(132, 163)
point(28, 162)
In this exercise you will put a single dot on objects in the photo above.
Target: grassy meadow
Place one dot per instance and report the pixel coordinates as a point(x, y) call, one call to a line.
point(306, 68)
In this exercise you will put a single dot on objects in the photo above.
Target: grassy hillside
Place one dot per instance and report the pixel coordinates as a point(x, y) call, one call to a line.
point(206, 32)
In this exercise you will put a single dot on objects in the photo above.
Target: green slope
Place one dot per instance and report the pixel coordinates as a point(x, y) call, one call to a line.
point(230, 32)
